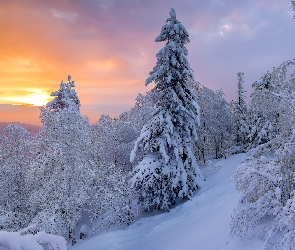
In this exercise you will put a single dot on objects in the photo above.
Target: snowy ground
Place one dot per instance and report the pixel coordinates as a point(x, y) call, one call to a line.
point(201, 223)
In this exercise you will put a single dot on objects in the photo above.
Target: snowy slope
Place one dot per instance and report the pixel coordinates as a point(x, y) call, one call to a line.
point(201, 223)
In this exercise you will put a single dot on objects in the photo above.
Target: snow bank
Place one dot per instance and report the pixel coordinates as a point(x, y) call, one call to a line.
point(17, 241)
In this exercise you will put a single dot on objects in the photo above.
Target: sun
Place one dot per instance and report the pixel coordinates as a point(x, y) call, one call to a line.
point(34, 97)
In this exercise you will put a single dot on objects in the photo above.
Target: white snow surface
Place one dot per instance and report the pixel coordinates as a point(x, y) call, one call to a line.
point(201, 223)
point(16, 241)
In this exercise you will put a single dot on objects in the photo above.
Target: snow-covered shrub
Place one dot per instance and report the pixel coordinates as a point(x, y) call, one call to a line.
point(83, 232)
point(22, 240)
point(281, 232)
point(260, 182)
point(267, 184)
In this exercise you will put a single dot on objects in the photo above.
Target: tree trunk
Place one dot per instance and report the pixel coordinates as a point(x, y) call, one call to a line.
point(72, 235)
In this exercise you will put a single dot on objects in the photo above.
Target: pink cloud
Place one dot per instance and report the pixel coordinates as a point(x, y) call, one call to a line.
point(108, 46)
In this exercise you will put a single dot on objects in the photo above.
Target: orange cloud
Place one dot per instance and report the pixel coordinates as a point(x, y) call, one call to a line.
point(41, 44)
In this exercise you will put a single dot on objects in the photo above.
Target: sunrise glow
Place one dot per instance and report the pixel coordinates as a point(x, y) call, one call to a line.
point(109, 48)
point(35, 97)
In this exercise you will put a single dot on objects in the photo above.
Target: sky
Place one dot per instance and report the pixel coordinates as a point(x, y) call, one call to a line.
point(109, 48)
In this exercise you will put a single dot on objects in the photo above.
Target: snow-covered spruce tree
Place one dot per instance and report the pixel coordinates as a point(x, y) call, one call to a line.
point(169, 168)
point(62, 166)
point(240, 111)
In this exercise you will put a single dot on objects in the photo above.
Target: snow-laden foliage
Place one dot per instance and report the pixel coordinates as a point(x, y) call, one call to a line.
point(23, 240)
point(15, 186)
point(215, 127)
point(269, 104)
point(260, 182)
point(169, 169)
point(142, 112)
point(66, 96)
point(263, 109)
point(261, 130)
point(281, 232)
point(112, 201)
point(113, 139)
point(268, 183)
point(62, 167)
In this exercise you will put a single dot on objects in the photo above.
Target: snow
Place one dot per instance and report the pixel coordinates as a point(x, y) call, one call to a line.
point(200, 223)
point(16, 241)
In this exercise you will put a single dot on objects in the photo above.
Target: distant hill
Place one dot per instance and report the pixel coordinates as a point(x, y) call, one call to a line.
point(32, 129)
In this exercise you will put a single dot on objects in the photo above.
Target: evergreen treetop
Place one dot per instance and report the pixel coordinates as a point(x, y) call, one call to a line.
point(65, 97)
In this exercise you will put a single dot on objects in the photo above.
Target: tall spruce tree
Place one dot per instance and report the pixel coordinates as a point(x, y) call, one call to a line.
point(240, 110)
point(169, 169)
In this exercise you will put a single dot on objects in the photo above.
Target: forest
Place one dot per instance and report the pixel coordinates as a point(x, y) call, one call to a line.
point(149, 157)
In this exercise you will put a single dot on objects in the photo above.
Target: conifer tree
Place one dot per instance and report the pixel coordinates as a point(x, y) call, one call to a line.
point(169, 169)
point(65, 97)
point(240, 114)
